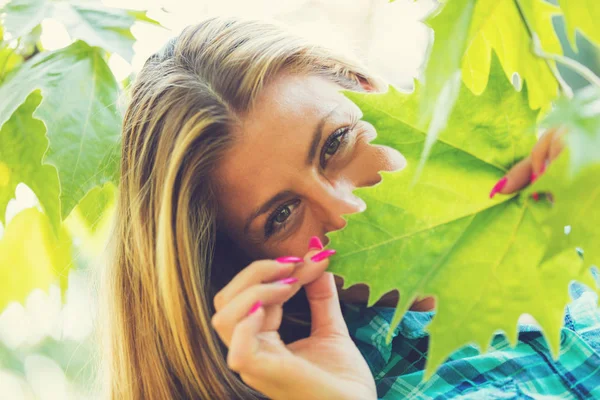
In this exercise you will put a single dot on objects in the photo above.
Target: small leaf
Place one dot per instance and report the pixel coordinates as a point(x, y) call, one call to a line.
point(573, 179)
point(95, 204)
point(90, 21)
point(21, 16)
point(9, 60)
point(142, 16)
point(442, 74)
point(22, 146)
point(498, 25)
point(450, 25)
point(31, 256)
point(98, 25)
point(82, 121)
point(582, 15)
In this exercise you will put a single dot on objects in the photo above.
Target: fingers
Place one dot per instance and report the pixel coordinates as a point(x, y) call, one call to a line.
point(526, 171)
point(225, 320)
point(539, 154)
point(244, 340)
point(557, 145)
point(261, 271)
point(248, 287)
point(518, 176)
point(325, 311)
point(315, 263)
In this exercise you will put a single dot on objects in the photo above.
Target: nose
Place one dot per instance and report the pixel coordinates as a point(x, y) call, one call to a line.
point(335, 201)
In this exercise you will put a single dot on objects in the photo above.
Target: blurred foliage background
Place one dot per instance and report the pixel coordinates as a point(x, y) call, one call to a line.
point(65, 67)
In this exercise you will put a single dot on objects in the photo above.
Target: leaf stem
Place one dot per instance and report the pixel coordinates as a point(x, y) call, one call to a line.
point(573, 65)
point(564, 86)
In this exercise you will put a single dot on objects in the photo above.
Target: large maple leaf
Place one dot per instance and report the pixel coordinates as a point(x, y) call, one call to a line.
point(483, 259)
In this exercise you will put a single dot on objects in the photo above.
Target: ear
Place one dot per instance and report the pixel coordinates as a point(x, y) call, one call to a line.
point(365, 84)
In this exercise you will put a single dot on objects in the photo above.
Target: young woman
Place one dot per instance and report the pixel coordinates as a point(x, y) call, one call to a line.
point(239, 154)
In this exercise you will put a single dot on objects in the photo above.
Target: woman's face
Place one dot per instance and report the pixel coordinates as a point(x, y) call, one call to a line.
point(299, 154)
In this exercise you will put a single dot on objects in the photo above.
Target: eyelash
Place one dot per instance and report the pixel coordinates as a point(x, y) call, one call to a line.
point(340, 133)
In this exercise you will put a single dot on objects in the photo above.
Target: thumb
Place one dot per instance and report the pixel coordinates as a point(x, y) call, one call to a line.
point(325, 311)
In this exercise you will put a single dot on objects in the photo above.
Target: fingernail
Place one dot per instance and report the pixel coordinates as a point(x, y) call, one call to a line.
point(534, 176)
point(322, 255)
point(255, 307)
point(288, 259)
point(288, 281)
point(315, 243)
point(544, 165)
point(498, 186)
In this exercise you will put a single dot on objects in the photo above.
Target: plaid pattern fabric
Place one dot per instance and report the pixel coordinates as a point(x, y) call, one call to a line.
point(524, 372)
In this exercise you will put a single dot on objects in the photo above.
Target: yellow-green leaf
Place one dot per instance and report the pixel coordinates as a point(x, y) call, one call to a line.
point(78, 108)
point(574, 178)
point(90, 21)
point(582, 15)
point(482, 259)
point(22, 145)
point(499, 25)
point(32, 256)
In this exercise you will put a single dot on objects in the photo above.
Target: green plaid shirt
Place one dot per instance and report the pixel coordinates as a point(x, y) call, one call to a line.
point(524, 372)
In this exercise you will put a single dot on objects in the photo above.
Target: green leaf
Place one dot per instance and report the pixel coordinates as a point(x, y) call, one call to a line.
point(22, 146)
point(443, 236)
point(499, 25)
point(98, 25)
point(450, 25)
point(573, 179)
point(584, 16)
point(442, 74)
point(32, 256)
point(9, 60)
point(142, 16)
point(95, 204)
point(78, 108)
point(21, 16)
point(90, 21)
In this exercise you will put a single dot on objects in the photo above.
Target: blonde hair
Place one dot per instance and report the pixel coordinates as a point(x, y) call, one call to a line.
point(157, 288)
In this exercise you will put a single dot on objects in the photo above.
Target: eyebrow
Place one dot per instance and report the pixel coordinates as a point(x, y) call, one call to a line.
point(312, 152)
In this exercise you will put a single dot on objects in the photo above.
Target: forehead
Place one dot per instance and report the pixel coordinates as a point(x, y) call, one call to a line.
point(272, 141)
point(289, 99)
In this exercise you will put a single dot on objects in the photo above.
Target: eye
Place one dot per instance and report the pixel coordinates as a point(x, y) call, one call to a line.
point(279, 218)
point(333, 144)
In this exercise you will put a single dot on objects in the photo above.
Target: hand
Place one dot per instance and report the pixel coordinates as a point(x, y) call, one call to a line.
point(326, 365)
point(526, 171)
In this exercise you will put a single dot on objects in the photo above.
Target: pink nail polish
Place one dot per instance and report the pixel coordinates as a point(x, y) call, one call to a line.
point(498, 186)
point(322, 255)
point(544, 165)
point(533, 178)
point(255, 307)
point(288, 281)
point(315, 243)
point(288, 259)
